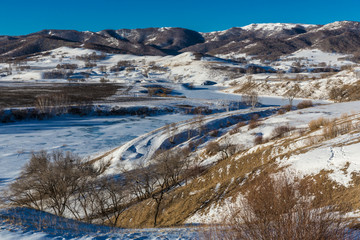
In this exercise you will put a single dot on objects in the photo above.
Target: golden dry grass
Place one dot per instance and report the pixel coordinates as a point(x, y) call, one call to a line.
point(248, 167)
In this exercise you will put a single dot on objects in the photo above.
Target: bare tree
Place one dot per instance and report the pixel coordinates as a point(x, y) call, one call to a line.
point(171, 132)
point(227, 148)
point(141, 181)
point(48, 181)
point(43, 103)
point(168, 169)
point(250, 99)
point(56, 103)
point(200, 123)
point(28, 189)
point(110, 195)
point(292, 93)
point(102, 68)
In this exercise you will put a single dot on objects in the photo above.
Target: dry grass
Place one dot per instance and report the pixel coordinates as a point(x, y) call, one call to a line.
point(237, 127)
point(254, 122)
point(305, 104)
point(24, 95)
point(335, 127)
point(317, 123)
point(242, 173)
point(182, 202)
point(346, 92)
point(276, 209)
point(281, 131)
point(212, 148)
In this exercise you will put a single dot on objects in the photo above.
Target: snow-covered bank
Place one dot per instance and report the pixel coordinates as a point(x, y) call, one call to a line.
point(34, 225)
point(141, 149)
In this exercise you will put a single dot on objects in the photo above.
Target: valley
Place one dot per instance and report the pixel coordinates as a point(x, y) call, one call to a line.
point(170, 131)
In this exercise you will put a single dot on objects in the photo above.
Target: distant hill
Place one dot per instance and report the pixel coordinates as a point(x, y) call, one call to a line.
point(265, 41)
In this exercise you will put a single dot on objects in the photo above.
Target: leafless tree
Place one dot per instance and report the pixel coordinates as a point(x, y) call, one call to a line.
point(43, 103)
point(141, 181)
point(109, 196)
point(250, 99)
point(168, 169)
point(227, 148)
point(200, 124)
point(171, 132)
point(292, 93)
point(28, 189)
point(56, 103)
point(48, 181)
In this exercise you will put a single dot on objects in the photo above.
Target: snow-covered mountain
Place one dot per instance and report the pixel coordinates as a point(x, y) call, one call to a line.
point(267, 41)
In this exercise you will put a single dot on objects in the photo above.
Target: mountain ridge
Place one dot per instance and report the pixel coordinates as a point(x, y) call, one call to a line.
point(266, 41)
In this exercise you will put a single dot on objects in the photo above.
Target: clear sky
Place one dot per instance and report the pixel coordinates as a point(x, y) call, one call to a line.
point(18, 17)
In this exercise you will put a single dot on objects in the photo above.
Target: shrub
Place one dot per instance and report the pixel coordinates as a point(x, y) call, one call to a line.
point(273, 209)
point(20, 114)
point(240, 124)
point(281, 131)
point(212, 148)
point(237, 127)
point(346, 92)
point(102, 68)
point(258, 139)
point(281, 111)
point(233, 131)
point(117, 68)
point(317, 123)
point(104, 80)
point(332, 129)
point(304, 104)
point(287, 108)
point(91, 57)
point(254, 122)
point(90, 65)
point(57, 74)
point(214, 133)
point(124, 63)
point(158, 68)
point(248, 86)
point(67, 66)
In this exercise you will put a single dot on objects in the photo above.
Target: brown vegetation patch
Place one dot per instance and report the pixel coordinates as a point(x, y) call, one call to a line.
point(25, 95)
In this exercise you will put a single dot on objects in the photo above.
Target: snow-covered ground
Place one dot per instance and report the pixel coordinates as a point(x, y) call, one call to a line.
point(136, 138)
point(84, 136)
point(339, 156)
point(312, 57)
point(36, 225)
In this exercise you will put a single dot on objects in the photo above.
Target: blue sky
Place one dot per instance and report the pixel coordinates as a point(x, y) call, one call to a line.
point(26, 16)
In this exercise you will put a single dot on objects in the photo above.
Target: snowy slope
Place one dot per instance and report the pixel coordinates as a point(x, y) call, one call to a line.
point(339, 156)
point(37, 225)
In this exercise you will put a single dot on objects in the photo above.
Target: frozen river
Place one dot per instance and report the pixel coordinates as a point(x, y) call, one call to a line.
point(84, 136)
point(93, 135)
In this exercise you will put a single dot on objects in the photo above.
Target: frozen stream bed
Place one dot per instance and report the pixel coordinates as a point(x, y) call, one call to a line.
point(94, 135)
point(84, 136)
